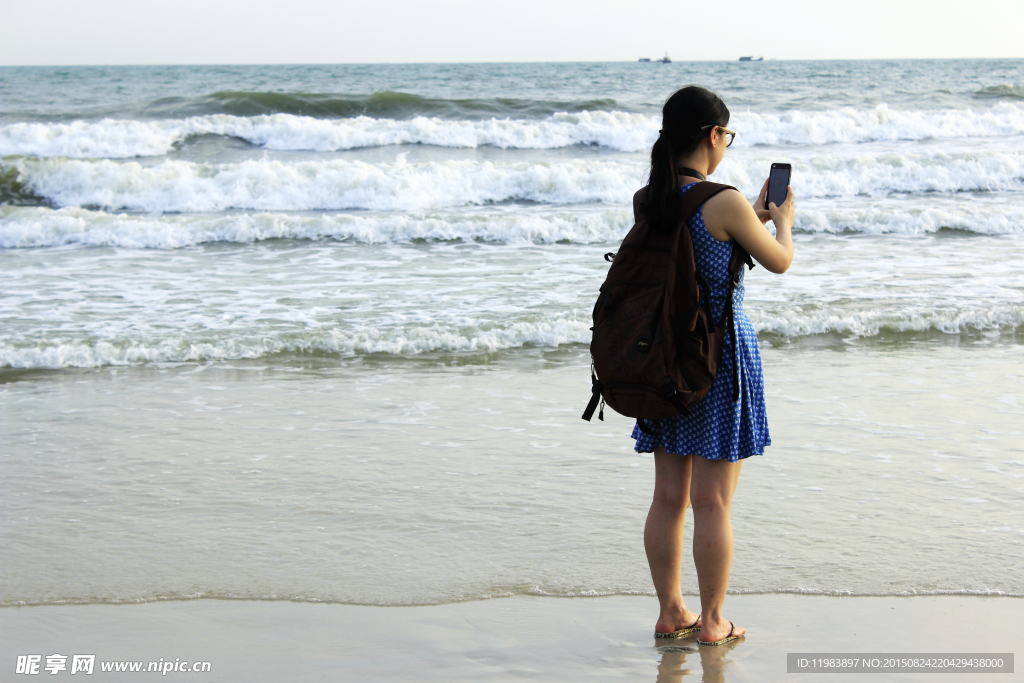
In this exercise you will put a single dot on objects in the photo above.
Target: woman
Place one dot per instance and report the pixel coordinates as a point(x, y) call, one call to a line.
point(698, 456)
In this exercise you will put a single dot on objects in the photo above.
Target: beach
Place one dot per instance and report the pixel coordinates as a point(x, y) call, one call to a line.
point(485, 572)
point(293, 358)
point(520, 638)
point(349, 483)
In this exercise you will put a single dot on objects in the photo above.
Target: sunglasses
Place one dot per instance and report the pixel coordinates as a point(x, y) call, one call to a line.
point(730, 135)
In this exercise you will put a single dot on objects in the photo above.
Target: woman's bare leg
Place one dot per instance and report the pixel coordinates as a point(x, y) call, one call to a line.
point(663, 538)
point(711, 490)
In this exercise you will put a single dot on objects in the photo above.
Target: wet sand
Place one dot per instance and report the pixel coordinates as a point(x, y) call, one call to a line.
point(518, 638)
point(892, 471)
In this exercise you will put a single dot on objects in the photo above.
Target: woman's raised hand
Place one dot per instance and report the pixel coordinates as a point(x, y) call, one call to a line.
point(782, 216)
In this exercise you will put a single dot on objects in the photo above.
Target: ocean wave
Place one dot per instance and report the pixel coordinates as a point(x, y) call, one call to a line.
point(34, 227)
point(26, 227)
point(181, 186)
point(415, 340)
point(337, 184)
point(14, 193)
point(411, 341)
point(383, 104)
point(876, 125)
point(795, 323)
point(616, 130)
point(119, 139)
point(1002, 91)
point(882, 217)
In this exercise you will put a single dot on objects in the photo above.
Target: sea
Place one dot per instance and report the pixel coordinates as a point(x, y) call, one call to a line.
point(320, 332)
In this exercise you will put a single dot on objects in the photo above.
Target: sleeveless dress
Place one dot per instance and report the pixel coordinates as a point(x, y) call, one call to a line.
point(717, 427)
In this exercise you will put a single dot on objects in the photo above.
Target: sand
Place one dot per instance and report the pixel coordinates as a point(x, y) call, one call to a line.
point(518, 638)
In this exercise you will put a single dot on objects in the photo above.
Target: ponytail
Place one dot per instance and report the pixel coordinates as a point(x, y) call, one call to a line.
point(682, 118)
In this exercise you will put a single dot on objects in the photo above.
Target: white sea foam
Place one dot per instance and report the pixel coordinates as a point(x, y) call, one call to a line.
point(623, 131)
point(189, 348)
point(29, 227)
point(22, 227)
point(177, 186)
point(824, 176)
point(337, 184)
point(112, 138)
point(909, 218)
point(482, 337)
point(795, 323)
point(879, 124)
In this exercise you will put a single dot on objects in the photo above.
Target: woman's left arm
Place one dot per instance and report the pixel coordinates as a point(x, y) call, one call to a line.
point(729, 213)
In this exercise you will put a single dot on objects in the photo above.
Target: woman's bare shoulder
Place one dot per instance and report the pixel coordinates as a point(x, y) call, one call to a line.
point(723, 210)
point(727, 200)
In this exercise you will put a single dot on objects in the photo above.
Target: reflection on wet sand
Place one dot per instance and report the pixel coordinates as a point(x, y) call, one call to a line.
point(713, 661)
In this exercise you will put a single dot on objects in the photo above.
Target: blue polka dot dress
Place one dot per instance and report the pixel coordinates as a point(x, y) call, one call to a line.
point(717, 427)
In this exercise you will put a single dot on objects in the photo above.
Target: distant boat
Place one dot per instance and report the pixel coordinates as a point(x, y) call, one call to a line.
point(645, 59)
point(665, 59)
point(751, 59)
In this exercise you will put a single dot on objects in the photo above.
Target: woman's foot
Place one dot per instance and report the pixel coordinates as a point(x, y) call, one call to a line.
point(680, 624)
point(720, 633)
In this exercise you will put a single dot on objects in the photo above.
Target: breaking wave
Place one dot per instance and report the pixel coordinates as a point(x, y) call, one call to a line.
point(40, 227)
point(32, 227)
point(384, 104)
point(413, 340)
point(338, 184)
point(613, 129)
point(192, 348)
point(1002, 91)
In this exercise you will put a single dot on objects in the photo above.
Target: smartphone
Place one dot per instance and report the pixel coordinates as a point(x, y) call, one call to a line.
point(778, 184)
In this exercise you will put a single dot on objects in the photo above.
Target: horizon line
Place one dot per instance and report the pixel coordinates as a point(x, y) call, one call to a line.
point(632, 61)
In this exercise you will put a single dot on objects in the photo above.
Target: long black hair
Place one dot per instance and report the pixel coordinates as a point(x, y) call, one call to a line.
point(682, 117)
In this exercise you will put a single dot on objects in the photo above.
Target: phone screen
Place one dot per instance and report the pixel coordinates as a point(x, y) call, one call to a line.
point(778, 184)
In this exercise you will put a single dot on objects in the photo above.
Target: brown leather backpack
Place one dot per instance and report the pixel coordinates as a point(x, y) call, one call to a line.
point(656, 346)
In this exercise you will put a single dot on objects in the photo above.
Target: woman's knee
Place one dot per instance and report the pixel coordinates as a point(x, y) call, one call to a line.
point(714, 483)
point(709, 502)
point(671, 497)
point(671, 480)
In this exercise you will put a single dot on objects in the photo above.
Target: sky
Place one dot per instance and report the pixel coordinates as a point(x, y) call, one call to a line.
point(71, 32)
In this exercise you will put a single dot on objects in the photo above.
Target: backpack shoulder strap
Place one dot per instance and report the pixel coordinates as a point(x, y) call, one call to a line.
point(692, 198)
point(697, 195)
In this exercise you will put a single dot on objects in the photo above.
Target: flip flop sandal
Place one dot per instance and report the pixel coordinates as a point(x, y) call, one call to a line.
point(728, 639)
point(685, 631)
